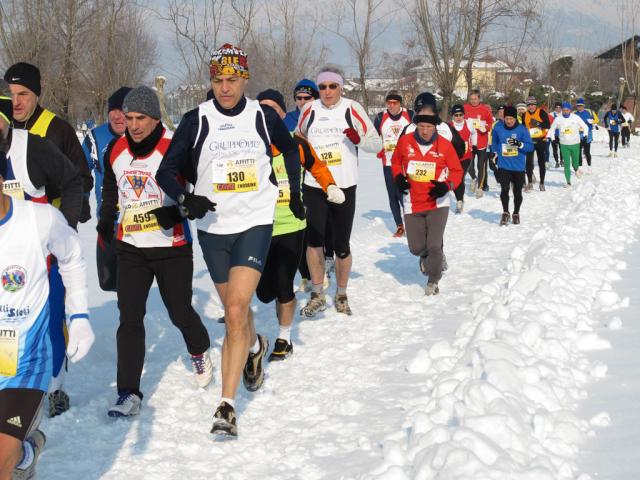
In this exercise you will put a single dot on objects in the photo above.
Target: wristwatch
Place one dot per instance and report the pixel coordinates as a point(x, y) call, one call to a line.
point(181, 198)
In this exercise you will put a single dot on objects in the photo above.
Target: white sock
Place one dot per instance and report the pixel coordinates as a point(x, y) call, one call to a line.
point(230, 401)
point(256, 346)
point(27, 456)
point(341, 291)
point(285, 333)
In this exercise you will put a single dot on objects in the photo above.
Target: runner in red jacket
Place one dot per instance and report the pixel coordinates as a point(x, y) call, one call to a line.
point(426, 168)
point(482, 120)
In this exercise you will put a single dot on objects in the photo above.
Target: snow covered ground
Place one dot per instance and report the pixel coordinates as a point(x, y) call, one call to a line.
point(494, 378)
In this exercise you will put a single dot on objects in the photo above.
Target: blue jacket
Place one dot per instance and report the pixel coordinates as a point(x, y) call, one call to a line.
point(499, 145)
point(291, 119)
point(587, 115)
point(612, 121)
point(94, 146)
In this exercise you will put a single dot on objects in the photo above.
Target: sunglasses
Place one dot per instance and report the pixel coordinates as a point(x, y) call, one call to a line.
point(331, 86)
point(299, 97)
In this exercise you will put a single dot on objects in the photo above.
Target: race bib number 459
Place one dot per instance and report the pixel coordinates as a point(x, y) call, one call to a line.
point(137, 217)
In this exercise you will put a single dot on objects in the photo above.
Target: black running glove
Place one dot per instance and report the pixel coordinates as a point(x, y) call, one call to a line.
point(438, 190)
point(197, 206)
point(514, 142)
point(106, 228)
point(402, 184)
point(168, 217)
point(296, 206)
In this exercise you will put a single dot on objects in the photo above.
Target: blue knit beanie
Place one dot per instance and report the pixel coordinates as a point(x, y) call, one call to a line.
point(566, 105)
point(306, 86)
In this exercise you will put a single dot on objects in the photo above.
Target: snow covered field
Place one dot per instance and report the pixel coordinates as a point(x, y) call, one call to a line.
point(502, 375)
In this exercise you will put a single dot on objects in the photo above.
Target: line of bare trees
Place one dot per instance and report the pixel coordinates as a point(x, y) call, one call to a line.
point(85, 49)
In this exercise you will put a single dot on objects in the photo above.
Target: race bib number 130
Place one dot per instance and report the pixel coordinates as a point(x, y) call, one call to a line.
point(239, 176)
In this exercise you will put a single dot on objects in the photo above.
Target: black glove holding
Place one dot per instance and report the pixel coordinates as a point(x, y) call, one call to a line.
point(438, 190)
point(168, 217)
point(402, 184)
point(197, 206)
point(85, 214)
point(514, 142)
point(296, 206)
point(106, 228)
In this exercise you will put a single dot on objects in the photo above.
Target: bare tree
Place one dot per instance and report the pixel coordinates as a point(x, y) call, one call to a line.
point(84, 49)
point(360, 23)
point(630, 21)
point(284, 49)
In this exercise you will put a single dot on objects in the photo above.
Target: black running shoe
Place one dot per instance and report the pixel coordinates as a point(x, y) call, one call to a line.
point(505, 219)
point(515, 219)
point(281, 350)
point(224, 421)
point(253, 373)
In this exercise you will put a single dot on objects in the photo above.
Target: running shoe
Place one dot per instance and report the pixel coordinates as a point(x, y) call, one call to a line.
point(127, 405)
point(459, 207)
point(58, 403)
point(202, 369)
point(505, 219)
point(317, 303)
point(515, 219)
point(224, 421)
point(342, 304)
point(253, 373)
point(281, 350)
point(431, 289)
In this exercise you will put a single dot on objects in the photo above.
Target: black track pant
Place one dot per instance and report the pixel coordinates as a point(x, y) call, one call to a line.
point(483, 163)
point(626, 135)
point(276, 282)
point(557, 152)
point(460, 190)
point(585, 147)
point(172, 267)
point(613, 140)
point(538, 149)
point(509, 179)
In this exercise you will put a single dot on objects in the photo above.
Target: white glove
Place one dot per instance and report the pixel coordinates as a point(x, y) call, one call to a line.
point(335, 194)
point(81, 338)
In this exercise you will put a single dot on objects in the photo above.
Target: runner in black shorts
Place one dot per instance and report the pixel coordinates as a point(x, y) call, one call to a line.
point(287, 243)
point(337, 128)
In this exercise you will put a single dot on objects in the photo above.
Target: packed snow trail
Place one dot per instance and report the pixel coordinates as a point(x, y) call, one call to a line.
point(393, 391)
point(610, 454)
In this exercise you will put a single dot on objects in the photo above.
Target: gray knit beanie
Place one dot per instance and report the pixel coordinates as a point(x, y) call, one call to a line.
point(144, 100)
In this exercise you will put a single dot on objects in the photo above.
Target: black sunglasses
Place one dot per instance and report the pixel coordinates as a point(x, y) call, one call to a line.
point(332, 86)
point(308, 97)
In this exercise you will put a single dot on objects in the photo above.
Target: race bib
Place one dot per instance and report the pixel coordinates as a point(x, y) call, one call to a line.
point(236, 176)
point(390, 145)
point(421, 171)
point(612, 122)
point(330, 154)
point(477, 123)
point(284, 192)
point(509, 150)
point(137, 219)
point(14, 189)
point(567, 131)
point(625, 124)
point(9, 341)
point(535, 132)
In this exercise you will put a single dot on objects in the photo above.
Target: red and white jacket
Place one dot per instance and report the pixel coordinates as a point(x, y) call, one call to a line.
point(139, 193)
point(468, 134)
point(390, 131)
point(482, 119)
point(421, 164)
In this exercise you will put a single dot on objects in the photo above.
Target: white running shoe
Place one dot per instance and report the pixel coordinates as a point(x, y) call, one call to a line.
point(127, 405)
point(589, 171)
point(579, 172)
point(610, 153)
point(202, 369)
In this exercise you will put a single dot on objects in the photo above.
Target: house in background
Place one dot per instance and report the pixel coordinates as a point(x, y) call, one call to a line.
point(611, 65)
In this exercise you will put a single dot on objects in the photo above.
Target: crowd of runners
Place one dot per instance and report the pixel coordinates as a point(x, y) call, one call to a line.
point(270, 193)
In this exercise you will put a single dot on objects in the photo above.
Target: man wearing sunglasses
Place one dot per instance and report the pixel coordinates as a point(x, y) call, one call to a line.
point(389, 125)
point(304, 92)
point(337, 128)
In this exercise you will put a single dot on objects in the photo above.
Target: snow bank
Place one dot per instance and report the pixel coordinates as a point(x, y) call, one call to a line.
point(501, 400)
